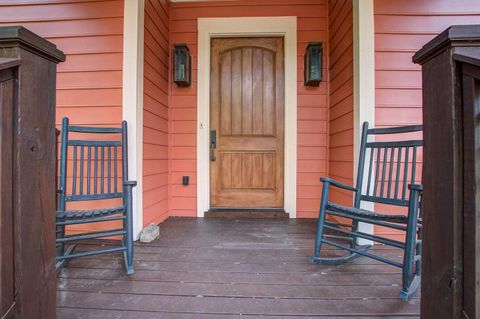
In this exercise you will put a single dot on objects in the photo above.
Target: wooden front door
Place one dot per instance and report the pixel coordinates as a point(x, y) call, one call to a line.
point(247, 122)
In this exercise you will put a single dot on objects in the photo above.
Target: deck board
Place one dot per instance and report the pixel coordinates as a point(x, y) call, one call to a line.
point(224, 268)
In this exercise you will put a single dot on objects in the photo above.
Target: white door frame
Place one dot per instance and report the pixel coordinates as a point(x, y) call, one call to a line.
point(235, 27)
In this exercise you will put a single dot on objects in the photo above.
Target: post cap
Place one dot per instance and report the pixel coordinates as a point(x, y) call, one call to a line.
point(18, 36)
point(455, 35)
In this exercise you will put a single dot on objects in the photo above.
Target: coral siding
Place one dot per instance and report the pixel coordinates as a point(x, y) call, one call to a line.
point(89, 82)
point(91, 34)
point(401, 28)
point(312, 102)
point(156, 112)
point(341, 97)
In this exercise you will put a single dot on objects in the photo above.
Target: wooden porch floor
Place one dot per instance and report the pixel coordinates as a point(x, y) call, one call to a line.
point(224, 268)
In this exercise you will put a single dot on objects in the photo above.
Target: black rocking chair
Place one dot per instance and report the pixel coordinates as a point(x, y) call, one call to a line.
point(94, 175)
point(389, 169)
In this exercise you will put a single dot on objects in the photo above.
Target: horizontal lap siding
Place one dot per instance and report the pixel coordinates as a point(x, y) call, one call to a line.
point(341, 97)
point(156, 112)
point(312, 102)
point(401, 28)
point(89, 82)
point(91, 35)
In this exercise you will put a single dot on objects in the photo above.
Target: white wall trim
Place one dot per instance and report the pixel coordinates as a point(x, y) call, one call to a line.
point(132, 100)
point(246, 26)
point(364, 81)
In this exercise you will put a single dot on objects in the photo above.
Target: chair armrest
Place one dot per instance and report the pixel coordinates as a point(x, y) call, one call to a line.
point(130, 183)
point(337, 184)
point(415, 187)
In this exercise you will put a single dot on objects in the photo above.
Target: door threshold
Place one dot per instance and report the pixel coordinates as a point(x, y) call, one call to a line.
point(236, 213)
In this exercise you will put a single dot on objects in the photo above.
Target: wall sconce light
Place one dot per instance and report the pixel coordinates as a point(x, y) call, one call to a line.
point(182, 65)
point(313, 64)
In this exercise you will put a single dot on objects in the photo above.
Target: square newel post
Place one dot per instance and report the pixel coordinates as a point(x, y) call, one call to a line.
point(27, 174)
point(451, 108)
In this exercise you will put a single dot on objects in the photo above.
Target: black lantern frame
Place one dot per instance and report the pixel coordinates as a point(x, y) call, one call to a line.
point(182, 65)
point(312, 70)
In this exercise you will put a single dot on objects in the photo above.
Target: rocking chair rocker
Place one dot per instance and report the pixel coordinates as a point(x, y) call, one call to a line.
point(389, 169)
point(94, 175)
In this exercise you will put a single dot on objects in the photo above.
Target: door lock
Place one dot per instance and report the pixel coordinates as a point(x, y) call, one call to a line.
point(213, 144)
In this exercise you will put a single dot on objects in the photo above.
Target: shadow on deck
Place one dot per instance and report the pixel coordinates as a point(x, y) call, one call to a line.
point(221, 268)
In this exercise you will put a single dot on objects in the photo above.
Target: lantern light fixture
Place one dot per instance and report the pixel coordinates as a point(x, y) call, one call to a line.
point(313, 64)
point(182, 65)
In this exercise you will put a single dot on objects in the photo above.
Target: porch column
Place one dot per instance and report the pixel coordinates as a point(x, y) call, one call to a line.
point(364, 83)
point(133, 100)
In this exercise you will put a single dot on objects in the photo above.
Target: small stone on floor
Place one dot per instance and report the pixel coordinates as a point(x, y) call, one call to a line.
point(149, 233)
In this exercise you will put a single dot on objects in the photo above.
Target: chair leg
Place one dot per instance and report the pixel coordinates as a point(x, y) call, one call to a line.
point(410, 274)
point(410, 271)
point(354, 242)
point(61, 263)
point(61, 251)
point(128, 255)
point(321, 222)
point(319, 235)
point(60, 233)
point(319, 240)
point(128, 238)
point(413, 286)
point(418, 252)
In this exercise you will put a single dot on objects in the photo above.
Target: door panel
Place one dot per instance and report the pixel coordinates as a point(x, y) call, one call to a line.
point(247, 112)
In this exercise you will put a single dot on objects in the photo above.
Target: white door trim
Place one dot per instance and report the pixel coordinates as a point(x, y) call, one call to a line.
point(132, 100)
point(246, 26)
point(364, 83)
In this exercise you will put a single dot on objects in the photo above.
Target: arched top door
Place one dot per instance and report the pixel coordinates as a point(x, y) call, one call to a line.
point(247, 120)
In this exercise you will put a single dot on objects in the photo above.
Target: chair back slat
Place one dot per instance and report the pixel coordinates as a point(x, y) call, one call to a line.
point(377, 169)
point(384, 168)
point(115, 179)
point(397, 178)
point(390, 170)
point(389, 166)
point(89, 168)
point(370, 169)
point(81, 169)
point(102, 171)
point(95, 171)
point(91, 161)
point(109, 170)
point(405, 173)
point(74, 184)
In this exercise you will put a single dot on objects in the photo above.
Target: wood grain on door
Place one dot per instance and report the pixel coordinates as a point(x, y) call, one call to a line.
point(247, 114)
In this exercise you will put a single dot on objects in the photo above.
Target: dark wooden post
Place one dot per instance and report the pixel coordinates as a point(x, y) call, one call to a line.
point(27, 174)
point(451, 113)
